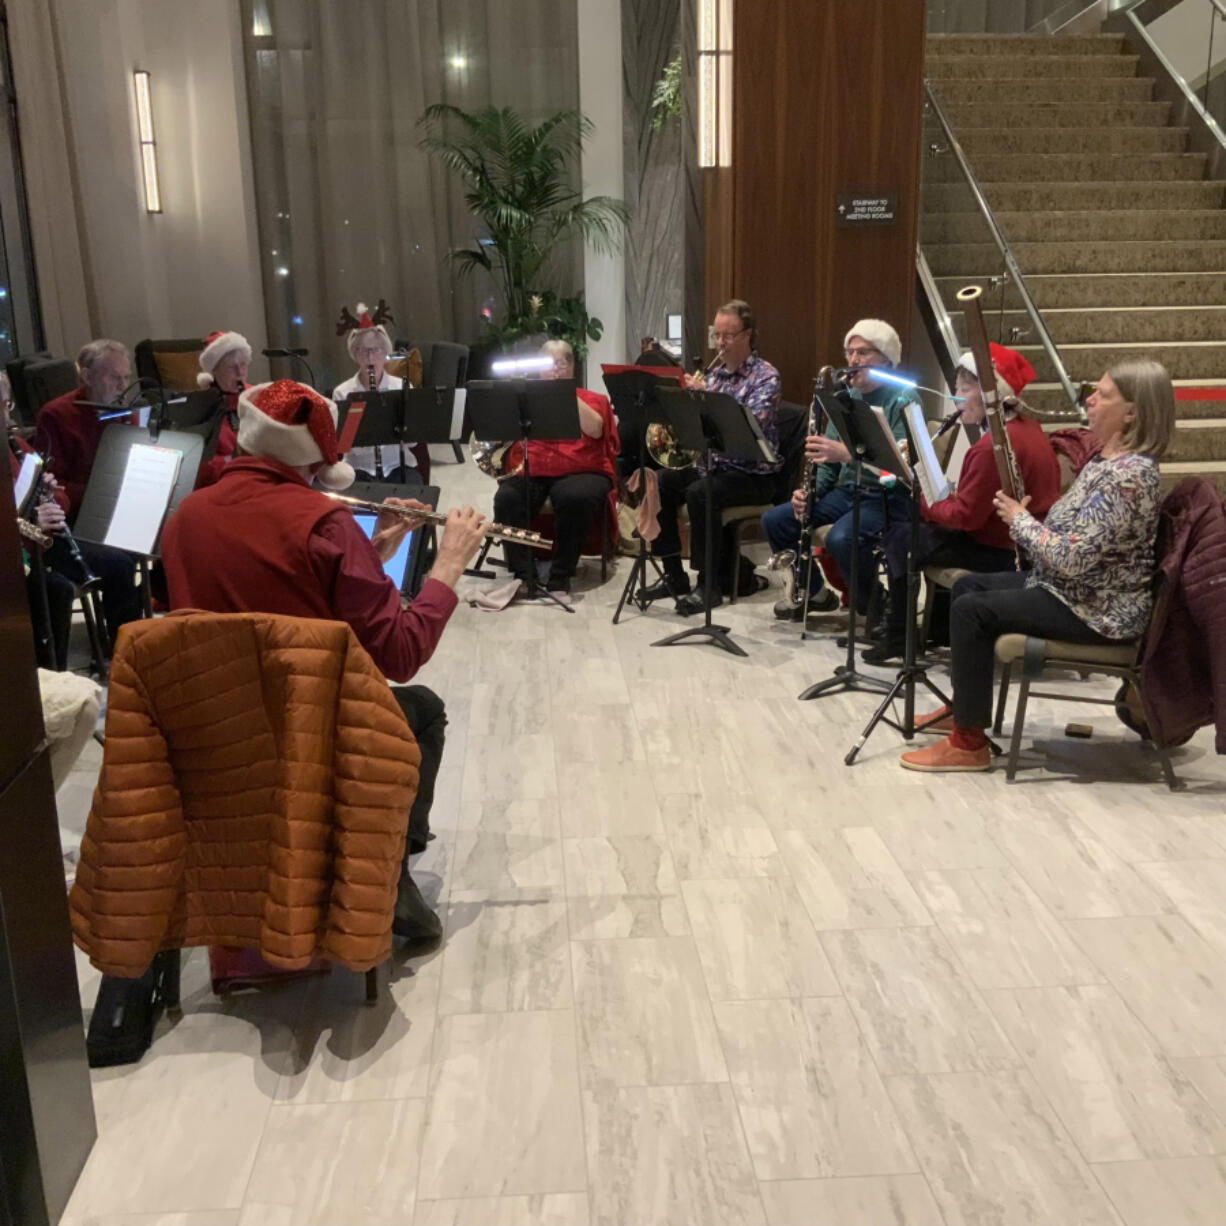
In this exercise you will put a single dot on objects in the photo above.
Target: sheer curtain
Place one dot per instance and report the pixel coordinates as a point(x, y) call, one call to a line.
point(350, 209)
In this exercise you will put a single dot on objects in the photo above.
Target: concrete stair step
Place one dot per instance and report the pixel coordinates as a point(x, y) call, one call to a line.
point(1198, 439)
point(982, 259)
point(1120, 289)
point(970, 116)
point(1078, 197)
point(989, 142)
point(1172, 472)
point(1073, 167)
point(1048, 398)
point(1184, 359)
point(1072, 88)
point(1141, 225)
point(1003, 70)
point(1107, 325)
point(1025, 44)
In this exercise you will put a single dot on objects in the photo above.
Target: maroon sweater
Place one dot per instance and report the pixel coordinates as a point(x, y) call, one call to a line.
point(69, 433)
point(260, 540)
point(970, 508)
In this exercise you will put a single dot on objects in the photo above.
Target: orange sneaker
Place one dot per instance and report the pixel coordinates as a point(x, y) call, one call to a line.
point(945, 756)
point(941, 720)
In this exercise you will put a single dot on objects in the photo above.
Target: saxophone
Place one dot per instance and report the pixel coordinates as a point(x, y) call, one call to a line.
point(799, 561)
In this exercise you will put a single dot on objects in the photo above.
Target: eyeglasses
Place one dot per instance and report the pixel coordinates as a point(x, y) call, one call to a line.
point(865, 351)
point(717, 337)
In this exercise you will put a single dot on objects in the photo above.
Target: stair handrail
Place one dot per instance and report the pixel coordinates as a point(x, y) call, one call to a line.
point(1011, 265)
point(951, 350)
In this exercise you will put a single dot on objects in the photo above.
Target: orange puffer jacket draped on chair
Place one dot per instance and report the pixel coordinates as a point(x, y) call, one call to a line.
point(255, 792)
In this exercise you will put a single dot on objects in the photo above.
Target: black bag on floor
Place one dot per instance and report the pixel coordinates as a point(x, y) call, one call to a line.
point(125, 1010)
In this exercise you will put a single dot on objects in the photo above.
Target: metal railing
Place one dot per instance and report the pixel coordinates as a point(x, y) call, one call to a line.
point(1010, 272)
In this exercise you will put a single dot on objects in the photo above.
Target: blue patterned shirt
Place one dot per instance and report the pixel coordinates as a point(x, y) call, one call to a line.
point(1095, 549)
point(755, 383)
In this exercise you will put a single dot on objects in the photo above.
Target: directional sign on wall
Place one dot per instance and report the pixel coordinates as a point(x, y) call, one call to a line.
point(867, 208)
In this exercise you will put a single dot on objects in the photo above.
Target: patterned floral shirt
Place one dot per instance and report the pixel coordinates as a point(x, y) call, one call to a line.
point(755, 383)
point(1095, 550)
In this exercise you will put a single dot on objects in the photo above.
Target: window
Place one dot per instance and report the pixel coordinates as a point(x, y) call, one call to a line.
point(715, 82)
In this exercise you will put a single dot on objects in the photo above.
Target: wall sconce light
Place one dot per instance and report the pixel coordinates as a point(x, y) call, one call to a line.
point(148, 146)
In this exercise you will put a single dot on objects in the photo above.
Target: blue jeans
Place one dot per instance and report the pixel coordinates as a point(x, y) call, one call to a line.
point(782, 529)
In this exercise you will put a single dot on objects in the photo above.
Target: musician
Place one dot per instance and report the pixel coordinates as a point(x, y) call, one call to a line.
point(370, 346)
point(869, 343)
point(1093, 561)
point(743, 374)
point(262, 540)
point(575, 474)
point(50, 636)
point(964, 530)
point(67, 436)
point(223, 366)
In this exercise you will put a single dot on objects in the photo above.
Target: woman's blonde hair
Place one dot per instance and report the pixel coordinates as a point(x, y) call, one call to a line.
point(1146, 386)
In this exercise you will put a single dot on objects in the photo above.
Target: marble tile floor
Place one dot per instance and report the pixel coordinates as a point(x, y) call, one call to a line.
point(697, 971)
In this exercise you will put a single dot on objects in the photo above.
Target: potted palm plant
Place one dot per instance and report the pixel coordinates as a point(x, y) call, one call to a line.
point(518, 182)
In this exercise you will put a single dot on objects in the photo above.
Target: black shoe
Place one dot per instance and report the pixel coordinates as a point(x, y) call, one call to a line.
point(666, 588)
point(884, 651)
point(561, 586)
point(694, 603)
point(413, 918)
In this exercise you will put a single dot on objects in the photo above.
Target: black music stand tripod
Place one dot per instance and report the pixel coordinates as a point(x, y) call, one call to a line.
point(707, 422)
point(540, 409)
point(633, 395)
point(861, 433)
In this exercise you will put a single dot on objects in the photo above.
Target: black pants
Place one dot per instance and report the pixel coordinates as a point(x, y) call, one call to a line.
point(576, 498)
point(984, 608)
point(427, 717)
point(50, 636)
point(729, 488)
point(937, 547)
point(117, 570)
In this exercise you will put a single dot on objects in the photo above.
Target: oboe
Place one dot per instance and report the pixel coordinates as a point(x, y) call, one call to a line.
point(498, 532)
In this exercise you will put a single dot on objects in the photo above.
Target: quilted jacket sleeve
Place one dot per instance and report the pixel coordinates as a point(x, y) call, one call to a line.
point(133, 850)
point(375, 764)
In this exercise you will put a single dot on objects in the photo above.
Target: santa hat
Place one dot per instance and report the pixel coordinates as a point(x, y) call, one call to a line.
point(1013, 372)
point(365, 325)
point(216, 346)
point(880, 335)
point(293, 423)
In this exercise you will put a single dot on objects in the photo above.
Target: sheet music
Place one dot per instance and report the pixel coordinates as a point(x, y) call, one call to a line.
point(148, 482)
point(24, 486)
point(931, 478)
point(457, 412)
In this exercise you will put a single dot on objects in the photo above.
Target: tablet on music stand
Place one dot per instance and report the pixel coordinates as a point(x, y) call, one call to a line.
point(404, 568)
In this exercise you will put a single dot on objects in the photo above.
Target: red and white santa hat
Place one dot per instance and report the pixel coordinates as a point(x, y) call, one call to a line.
point(365, 325)
point(293, 423)
point(1013, 372)
point(216, 346)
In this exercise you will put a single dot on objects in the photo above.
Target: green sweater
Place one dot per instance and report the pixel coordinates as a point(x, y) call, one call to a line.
point(893, 400)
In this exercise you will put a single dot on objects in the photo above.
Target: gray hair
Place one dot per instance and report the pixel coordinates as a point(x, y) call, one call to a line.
point(93, 353)
point(559, 348)
point(1146, 385)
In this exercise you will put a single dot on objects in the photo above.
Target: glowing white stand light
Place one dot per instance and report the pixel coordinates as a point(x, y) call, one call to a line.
point(148, 146)
point(521, 366)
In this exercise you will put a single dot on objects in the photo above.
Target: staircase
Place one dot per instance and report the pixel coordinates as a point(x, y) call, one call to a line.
point(1120, 237)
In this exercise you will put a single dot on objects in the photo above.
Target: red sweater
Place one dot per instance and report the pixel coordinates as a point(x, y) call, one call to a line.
point(69, 434)
point(260, 540)
point(584, 454)
point(970, 508)
point(227, 439)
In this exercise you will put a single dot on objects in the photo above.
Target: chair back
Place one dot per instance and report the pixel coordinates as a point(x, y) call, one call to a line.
point(447, 365)
point(793, 422)
point(172, 363)
point(46, 380)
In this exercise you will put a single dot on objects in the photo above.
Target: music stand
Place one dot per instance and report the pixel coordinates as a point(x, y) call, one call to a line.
point(427, 413)
point(712, 421)
point(540, 409)
point(382, 423)
point(414, 565)
point(862, 433)
point(632, 391)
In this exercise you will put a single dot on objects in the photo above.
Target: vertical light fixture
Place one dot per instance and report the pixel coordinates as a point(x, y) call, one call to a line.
point(715, 83)
point(148, 146)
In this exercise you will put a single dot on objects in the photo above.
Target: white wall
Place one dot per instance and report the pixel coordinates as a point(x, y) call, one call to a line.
point(600, 99)
point(194, 267)
point(1183, 35)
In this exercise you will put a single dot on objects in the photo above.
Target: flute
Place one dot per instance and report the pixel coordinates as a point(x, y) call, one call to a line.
point(498, 532)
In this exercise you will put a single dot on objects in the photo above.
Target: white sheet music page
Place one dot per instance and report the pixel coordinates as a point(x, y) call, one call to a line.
point(24, 485)
point(932, 479)
point(148, 481)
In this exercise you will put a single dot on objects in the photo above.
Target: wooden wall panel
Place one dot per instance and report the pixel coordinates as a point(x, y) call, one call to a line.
point(828, 98)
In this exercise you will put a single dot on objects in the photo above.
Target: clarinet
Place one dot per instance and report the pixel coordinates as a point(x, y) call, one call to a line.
point(372, 383)
point(89, 579)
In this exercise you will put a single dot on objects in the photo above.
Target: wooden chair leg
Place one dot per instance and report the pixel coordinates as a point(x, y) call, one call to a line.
point(372, 987)
point(1019, 722)
point(999, 721)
